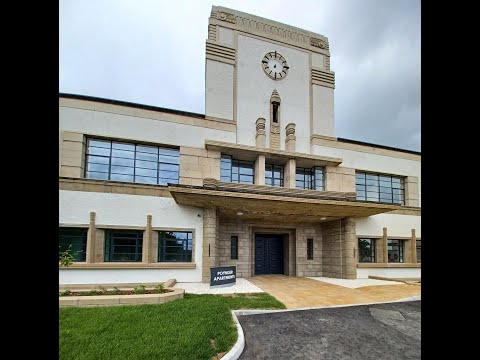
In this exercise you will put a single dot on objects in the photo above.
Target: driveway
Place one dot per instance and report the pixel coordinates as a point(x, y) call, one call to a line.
point(298, 292)
point(379, 331)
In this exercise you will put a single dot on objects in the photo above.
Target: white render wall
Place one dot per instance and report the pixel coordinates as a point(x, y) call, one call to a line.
point(219, 90)
point(363, 273)
point(397, 225)
point(138, 128)
point(130, 210)
point(254, 89)
point(372, 162)
point(323, 111)
point(225, 36)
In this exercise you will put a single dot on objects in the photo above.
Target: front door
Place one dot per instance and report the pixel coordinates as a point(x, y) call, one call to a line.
point(268, 254)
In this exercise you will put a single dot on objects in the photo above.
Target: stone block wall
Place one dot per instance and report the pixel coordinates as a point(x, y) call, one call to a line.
point(197, 164)
point(338, 249)
point(227, 230)
point(338, 178)
point(304, 266)
point(72, 154)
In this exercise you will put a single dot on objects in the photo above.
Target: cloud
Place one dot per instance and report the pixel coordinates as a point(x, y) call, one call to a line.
point(153, 52)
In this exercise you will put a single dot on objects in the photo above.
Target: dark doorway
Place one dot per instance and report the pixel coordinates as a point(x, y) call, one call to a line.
point(268, 254)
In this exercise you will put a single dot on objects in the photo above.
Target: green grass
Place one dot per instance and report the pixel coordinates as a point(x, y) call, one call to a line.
point(196, 327)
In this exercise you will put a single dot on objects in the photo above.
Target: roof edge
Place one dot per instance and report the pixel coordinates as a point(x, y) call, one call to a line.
point(378, 146)
point(130, 104)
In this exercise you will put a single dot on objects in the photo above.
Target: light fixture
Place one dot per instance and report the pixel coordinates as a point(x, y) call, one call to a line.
point(239, 213)
point(323, 218)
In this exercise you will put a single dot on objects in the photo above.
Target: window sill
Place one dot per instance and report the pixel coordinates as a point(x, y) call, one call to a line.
point(389, 265)
point(129, 265)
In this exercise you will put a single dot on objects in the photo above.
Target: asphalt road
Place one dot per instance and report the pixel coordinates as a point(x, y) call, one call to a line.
point(380, 331)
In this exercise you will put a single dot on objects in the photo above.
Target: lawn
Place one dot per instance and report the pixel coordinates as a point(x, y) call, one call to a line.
point(196, 327)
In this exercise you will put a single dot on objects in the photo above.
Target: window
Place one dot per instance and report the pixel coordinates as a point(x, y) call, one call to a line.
point(311, 179)
point(74, 239)
point(273, 175)
point(239, 171)
point(366, 250)
point(395, 250)
point(234, 248)
point(419, 251)
point(309, 249)
point(129, 162)
point(174, 246)
point(275, 106)
point(123, 245)
point(380, 188)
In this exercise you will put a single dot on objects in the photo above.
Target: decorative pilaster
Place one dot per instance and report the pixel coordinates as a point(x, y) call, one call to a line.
point(260, 134)
point(348, 248)
point(385, 245)
point(290, 171)
point(275, 120)
point(210, 242)
point(414, 247)
point(147, 241)
point(91, 239)
point(260, 170)
point(290, 138)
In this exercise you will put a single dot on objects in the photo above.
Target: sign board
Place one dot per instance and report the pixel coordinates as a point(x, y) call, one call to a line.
point(226, 275)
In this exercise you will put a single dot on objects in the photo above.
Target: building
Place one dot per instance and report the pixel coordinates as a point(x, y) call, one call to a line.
point(259, 181)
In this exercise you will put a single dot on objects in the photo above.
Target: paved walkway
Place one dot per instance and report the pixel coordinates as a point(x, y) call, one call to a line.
point(365, 332)
point(241, 286)
point(297, 292)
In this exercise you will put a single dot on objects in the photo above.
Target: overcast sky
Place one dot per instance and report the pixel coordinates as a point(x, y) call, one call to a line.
point(153, 52)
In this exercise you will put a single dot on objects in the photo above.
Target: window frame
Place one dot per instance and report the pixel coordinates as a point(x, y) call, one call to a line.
point(83, 237)
point(145, 160)
point(234, 247)
point(418, 250)
point(109, 246)
point(270, 181)
point(368, 187)
point(309, 249)
point(236, 163)
point(372, 250)
point(313, 180)
point(185, 253)
point(401, 250)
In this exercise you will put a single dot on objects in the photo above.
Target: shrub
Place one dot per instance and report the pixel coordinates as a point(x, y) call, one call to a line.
point(65, 293)
point(159, 288)
point(115, 291)
point(92, 292)
point(140, 289)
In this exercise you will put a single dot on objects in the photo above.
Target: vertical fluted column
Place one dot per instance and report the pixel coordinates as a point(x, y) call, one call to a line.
point(290, 138)
point(260, 133)
point(147, 241)
point(91, 239)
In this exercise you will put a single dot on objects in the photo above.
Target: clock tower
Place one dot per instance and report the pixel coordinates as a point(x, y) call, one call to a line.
point(257, 68)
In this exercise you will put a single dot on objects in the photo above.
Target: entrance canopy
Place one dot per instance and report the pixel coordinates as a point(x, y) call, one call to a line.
point(256, 203)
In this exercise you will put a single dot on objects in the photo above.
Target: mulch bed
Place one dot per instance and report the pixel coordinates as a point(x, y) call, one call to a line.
point(111, 292)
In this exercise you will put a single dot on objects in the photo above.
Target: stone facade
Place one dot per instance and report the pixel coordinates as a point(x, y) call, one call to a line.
point(197, 164)
point(304, 266)
point(338, 251)
point(242, 231)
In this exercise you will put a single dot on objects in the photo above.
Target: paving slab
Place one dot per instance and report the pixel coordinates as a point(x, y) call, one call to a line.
point(298, 292)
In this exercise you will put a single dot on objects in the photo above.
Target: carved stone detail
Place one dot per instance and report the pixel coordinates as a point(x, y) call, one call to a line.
point(290, 129)
point(290, 138)
point(226, 17)
point(320, 43)
point(210, 183)
point(260, 134)
point(275, 96)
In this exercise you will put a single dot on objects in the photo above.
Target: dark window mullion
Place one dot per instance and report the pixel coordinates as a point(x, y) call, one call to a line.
point(110, 162)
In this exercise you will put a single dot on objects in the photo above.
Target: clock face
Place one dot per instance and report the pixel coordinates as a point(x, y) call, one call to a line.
point(275, 65)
